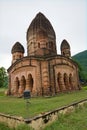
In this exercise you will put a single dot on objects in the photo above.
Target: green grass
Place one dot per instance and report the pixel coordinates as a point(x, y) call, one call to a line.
point(74, 121)
point(4, 126)
point(17, 106)
point(2, 91)
point(84, 87)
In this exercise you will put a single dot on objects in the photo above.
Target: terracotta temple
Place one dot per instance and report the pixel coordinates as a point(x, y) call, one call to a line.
point(43, 72)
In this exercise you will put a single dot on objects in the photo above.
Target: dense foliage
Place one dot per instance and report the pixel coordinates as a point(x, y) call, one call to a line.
point(3, 77)
point(81, 59)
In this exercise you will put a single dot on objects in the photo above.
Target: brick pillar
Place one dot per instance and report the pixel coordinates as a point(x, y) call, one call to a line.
point(45, 80)
point(27, 84)
point(21, 87)
point(61, 83)
point(71, 82)
point(16, 86)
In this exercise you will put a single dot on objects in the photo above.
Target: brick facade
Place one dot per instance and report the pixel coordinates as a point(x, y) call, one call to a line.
point(42, 71)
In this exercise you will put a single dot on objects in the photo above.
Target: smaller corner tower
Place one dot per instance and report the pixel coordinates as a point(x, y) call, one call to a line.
point(17, 52)
point(65, 49)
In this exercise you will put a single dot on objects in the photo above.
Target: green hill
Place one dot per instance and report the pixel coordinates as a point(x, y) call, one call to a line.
point(81, 58)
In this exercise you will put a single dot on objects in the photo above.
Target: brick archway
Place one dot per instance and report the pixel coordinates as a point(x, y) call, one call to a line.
point(17, 84)
point(30, 82)
point(66, 81)
point(59, 81)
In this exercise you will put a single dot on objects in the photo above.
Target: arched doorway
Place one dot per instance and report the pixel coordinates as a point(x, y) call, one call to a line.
point(16, 84)
point(59, 81)
point(66, 82)
point(23, 82)
point(30, 81)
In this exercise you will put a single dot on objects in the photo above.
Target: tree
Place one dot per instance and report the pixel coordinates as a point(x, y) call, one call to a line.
point(3, 77)
point(82, 75)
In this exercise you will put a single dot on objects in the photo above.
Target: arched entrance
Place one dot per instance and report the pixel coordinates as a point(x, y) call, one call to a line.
point(30, 82)
point(66, 82)
point(59, 81)
point(16, 84)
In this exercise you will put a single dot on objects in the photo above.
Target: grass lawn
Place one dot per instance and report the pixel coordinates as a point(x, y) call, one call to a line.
point(17, 106)
point(74, 121)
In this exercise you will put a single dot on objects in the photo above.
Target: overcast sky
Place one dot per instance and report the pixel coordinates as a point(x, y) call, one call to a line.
point(68, 18)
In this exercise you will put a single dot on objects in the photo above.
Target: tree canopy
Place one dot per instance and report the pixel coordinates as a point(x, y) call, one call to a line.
point(3, 77)
point(81, 59)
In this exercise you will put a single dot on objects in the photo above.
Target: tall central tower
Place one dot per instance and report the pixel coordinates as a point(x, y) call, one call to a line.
point(41, 38)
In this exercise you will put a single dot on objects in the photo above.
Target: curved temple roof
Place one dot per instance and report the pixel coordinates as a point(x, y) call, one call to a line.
point(65, 45)
point(40, 22)
point(17, 47)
